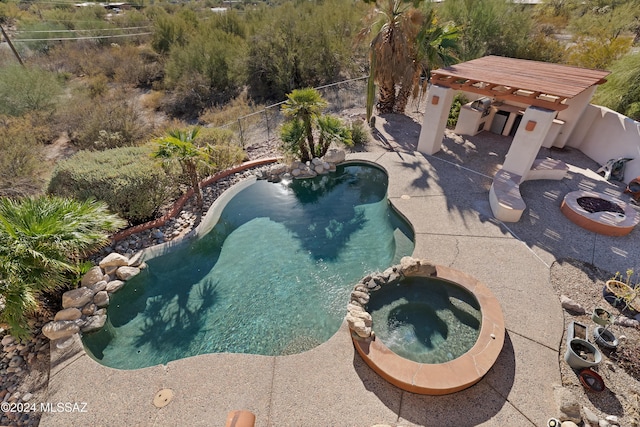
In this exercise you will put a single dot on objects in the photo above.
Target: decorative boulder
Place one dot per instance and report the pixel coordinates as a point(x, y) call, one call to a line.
point(101, 299)
point(114, 286)
point(568, 405)
point(136, 259)
point(89, 309)
point(359, 325)
point(77, 297)
point(114, 259)
point(334, 155)
point(71, 313)
point(413, 267)
point(570, 305)
point(94, 323)
point(126, 273)
point(92, 276)
point(99, 286)
point(60, 329)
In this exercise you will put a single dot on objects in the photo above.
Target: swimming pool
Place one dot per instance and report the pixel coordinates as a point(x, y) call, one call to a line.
point(270, 278)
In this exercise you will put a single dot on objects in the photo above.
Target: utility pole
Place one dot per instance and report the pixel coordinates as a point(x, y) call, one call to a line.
point(15, 52)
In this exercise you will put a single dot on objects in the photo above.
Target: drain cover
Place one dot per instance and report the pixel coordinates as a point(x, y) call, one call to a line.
point(163, 398)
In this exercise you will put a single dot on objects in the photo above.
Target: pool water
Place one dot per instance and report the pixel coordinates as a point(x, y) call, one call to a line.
point(427, 320)
point(270, 278)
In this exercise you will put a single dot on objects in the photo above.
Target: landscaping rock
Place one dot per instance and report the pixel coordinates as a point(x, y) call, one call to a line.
point(568, 405)
point(99, 286)
point(60, 329)
point(590, 416)
point(94, 323)
point(114, 286)
point(92, 276)
point(136, 259)
point(568, 424)
point(89, 309)
point(334, 155)
point(570, 305)
point(77, 297)
point(126, 273)
point(412, 267)
point(114, 260)
point(71, 313)
point(101, 299)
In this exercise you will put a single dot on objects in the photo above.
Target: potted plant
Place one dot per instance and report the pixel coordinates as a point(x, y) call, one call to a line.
point(602, 335)
point(622, 292)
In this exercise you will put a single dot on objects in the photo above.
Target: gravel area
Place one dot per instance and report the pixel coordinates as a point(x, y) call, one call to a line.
point(620, 369)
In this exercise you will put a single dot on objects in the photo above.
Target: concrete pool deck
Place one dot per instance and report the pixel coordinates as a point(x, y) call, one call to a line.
point(445, 197)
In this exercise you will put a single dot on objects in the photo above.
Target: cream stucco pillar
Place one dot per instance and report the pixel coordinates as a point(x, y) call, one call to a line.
point(439, 100)
point(533, 129)
point(571, 116)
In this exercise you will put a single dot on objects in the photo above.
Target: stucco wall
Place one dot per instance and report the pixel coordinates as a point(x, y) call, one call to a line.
point(603, 134)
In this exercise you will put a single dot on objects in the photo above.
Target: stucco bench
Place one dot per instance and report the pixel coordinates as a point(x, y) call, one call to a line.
point(505, 199)
point(547, 169)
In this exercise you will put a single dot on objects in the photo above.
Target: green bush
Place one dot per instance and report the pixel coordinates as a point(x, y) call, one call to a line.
point(458, 101)
point(127, 179)
point(27, 89)
point(21, 162)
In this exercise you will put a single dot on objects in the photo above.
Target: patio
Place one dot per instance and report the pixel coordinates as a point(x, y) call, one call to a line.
point(445, 197)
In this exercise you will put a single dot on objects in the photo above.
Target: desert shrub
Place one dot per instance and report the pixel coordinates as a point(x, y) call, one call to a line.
point(27, 89)
point(360, 134)
point(621, 92)
point(21, 162)
point(132, 183)
point(84, 119)
point(205, 71)
point(222, 148)
point(302, 45)
point(97, 86)
point(458, 101)
point(221, 115)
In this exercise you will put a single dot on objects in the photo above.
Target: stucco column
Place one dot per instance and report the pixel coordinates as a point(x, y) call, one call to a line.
point(571, 116)
point(439, 100)
point(533, 129)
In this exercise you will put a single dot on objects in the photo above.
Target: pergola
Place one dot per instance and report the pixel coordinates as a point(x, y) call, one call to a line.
point(543, 90)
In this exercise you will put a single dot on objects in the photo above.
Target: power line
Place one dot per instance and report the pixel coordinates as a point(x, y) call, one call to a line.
point(81, 38)
point(84, 30)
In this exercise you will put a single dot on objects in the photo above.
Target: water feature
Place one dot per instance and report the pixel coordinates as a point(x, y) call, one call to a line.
point(427, 320)
point(270, 278)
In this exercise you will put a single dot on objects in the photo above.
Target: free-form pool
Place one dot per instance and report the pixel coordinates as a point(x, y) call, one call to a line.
point(270, 278)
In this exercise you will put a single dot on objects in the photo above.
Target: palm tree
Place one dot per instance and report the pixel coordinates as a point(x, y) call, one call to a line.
point(407, 43)
point(41, 241)
point(392, 51)
point(437, 46)
point(178, 146)
point(304, 106)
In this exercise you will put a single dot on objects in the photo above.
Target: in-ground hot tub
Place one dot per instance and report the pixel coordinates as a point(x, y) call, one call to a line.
point(450, 342)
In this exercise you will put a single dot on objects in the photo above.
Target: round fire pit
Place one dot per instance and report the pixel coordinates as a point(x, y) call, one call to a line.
point(600, 213)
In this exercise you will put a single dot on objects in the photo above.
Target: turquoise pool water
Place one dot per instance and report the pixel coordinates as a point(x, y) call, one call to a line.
point(272, 277)
point(426, 320)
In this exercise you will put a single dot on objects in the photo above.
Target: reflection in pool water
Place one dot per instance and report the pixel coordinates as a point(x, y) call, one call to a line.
point(270, 278)
point(427, 320)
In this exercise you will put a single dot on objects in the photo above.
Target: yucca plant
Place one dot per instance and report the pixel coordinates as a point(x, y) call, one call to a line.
point(42, 240)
